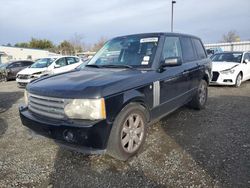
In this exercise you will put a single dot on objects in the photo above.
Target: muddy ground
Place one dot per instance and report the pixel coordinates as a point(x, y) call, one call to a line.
point(208, 148)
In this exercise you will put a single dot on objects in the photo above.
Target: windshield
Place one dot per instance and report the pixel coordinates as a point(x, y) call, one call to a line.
point(42, 63)
point(228, 57)
point(2, 66)
point(131, 51)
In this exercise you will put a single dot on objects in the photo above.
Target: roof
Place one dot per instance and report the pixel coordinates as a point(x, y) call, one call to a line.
point(159, 34)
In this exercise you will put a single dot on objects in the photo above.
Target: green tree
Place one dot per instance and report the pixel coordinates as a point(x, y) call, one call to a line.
point(41, 44)
point(231, 36)
point(22, 45)
point(66, 48)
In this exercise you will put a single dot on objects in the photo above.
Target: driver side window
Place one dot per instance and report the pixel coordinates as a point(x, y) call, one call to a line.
point(172, 48)
point(61, 62)
point(246, 56)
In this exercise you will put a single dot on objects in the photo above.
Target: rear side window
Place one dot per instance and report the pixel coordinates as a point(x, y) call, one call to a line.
point(188, 53)
point(62, 62)
point(199, 49)
point(26, 63)
point(172, 48)
point(71, 60)
point(77, 59)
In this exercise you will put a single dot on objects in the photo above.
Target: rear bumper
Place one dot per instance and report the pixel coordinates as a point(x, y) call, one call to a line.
point(86, 137)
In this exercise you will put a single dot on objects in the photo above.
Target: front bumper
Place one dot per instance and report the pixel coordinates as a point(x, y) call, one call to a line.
point(223, 79)
point(23, 82)
point(83, 136)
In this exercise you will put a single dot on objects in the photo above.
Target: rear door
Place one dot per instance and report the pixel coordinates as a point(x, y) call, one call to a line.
point(73, 62)
point(192, 62)
point(60, 65)
point(246, 66)
point(14, 68)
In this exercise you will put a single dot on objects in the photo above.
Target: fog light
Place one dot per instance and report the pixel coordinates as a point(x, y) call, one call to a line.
point(68, 136)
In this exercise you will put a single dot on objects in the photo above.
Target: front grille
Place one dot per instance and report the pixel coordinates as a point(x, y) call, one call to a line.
point(46, 106)
point(23, 76)
point(215, 76)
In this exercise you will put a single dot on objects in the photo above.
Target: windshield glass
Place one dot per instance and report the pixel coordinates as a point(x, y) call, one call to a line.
point(42, 63)
point(228, 57)
point(2, 66)
point(131, 51)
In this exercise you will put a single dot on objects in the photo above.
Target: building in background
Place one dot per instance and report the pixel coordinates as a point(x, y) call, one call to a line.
point(8, 53)
point(232, 46)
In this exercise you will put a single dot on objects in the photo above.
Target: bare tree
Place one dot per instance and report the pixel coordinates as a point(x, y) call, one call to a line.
point(231, 36)
point(97, 46)
point(77, 43)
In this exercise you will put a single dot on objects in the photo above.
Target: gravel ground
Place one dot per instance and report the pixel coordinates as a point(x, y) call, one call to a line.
point(208, 148)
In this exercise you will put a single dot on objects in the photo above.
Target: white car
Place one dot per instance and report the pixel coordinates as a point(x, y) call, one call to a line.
point(47, 66)
point(230, 68)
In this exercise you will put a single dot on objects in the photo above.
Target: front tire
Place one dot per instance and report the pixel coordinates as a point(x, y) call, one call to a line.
point(238, 80)
point(128, 132)
point(200, 98)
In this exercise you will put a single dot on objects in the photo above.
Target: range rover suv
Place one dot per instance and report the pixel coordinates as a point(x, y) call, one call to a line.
point(132, 82)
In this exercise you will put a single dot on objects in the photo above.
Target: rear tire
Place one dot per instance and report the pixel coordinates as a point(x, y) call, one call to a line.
point(200, 98)
point(238, 80)
point(128, 132)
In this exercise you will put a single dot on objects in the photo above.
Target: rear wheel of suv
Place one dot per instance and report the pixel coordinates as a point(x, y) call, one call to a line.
point(128, 132)
point(200, 98)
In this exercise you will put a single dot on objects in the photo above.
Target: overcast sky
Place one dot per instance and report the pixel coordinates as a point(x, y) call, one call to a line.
point(57, 20)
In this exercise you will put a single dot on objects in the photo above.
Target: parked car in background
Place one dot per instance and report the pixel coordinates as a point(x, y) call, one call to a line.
point(212, 51)
point(230, 68)
point(8, 71)
point(132, 82)
point(47, 66)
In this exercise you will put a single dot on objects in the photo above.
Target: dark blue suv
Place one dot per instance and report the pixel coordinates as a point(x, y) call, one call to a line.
point(132, 82)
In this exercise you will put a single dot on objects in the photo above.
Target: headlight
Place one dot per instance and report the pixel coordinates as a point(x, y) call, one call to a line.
point(26, 97)
point(91, 109)
point(231, 71)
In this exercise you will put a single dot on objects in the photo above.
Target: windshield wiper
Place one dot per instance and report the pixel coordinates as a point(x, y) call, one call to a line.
point(117, 66)
point(93, 65)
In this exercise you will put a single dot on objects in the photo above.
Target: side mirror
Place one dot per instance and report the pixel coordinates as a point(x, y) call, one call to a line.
point(171, 62)
point(246, 61)
point(56, 66)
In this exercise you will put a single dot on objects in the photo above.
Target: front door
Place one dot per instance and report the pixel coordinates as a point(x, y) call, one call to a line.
point(246, 66)
point(169, 91)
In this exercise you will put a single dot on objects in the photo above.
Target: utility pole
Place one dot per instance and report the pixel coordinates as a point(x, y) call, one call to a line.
point(172, 15)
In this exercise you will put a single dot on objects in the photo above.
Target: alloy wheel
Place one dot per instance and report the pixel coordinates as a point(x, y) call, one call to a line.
point(202, 94)
point(132, 133)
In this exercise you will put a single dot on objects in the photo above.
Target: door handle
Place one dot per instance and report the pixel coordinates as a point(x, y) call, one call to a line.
point(185, 72)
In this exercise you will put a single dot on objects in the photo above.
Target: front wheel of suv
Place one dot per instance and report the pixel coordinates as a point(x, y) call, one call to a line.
point(128, 132)
point(200, 98)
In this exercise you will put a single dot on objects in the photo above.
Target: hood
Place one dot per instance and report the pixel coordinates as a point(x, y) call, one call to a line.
point(220, 66)
point(89, 83)
point(30, 71)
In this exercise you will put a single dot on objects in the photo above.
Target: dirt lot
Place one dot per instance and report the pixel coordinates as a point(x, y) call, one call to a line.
point(208, 148)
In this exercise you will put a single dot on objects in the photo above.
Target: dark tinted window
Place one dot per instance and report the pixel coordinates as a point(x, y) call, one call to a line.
point(14, 65)
point(27, 63)
point(199, 49)
point(172, 48)
point(188, 53)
